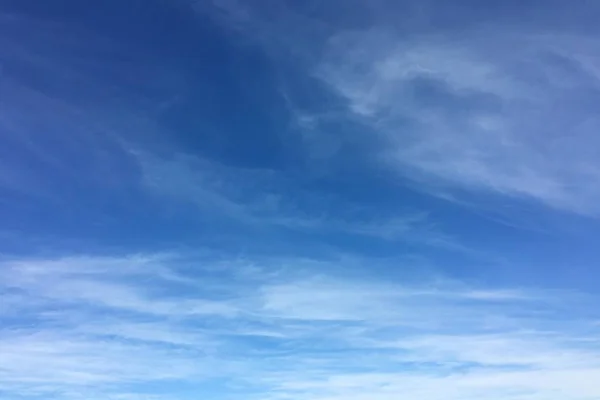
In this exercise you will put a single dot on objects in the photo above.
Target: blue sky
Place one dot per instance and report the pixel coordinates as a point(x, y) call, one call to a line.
point(308, 200)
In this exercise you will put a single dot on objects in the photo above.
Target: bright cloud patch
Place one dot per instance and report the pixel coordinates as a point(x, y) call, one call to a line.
point(101, 325)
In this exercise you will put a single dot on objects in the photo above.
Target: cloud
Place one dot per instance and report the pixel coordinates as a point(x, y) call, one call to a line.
point(72, 109)
point(116, 326)
point(503, 112)
point(270, 199)
point(94, 282)
point(486, 105)
point(100, 141)
point(463, 114)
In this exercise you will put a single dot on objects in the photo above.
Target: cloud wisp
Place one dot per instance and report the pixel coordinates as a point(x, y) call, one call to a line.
point(486, 107)
point(277, 328)
point(269, 199)
point(482, 111)
point(503, 112)
point(90, 133)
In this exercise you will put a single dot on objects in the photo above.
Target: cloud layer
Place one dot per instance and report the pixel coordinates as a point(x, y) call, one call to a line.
point(92, 327)
point(273, 149)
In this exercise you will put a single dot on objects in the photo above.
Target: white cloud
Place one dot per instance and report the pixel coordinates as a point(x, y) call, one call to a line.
point(106, 283)
point(287, 328)
point(510, 113)
point(57, 359)
point(486, 108)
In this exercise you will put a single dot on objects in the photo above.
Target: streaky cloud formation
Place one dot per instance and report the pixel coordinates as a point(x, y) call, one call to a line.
point(467, 108)
point(472, 111)
point(99, 324)
point(299, 200)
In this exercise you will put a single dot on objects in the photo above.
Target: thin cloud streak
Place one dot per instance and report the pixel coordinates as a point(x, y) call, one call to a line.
point(239, 194)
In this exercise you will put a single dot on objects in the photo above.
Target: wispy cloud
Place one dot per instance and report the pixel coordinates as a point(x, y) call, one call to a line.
point(113, 326)
point(493, 112)
point(505, 112)
point(103, 137)
point(488, 107)
point(64, 116)
point(269, 199)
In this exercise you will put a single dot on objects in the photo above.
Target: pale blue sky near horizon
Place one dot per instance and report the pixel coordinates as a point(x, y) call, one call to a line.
point(317, 200)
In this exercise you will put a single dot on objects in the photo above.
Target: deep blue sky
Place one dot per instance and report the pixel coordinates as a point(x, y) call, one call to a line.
point(309, 200)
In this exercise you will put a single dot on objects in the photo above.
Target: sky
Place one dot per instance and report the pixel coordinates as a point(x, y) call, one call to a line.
point(299, 200)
